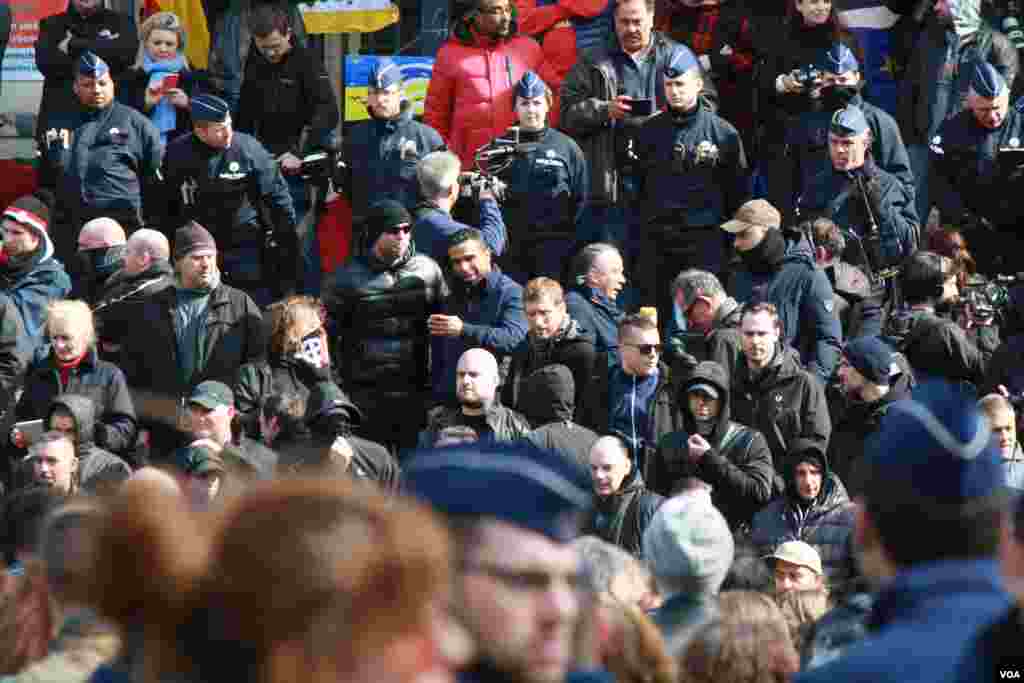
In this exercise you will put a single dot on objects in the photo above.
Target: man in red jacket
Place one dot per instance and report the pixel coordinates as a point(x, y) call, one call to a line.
point(472, 91)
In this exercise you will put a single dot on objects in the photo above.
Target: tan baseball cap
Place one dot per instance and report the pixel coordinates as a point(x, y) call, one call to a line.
point(755, 212)
point(798, 553)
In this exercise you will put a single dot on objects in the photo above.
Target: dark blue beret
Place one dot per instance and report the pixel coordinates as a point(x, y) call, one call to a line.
point(986, 81)
point(384, 74)
point(849, 121)
point(520, 484)
point(92, 66)
point(939, 445)
point(530, 86)
point(679, 62)
point(838, 59)
point(209, 108)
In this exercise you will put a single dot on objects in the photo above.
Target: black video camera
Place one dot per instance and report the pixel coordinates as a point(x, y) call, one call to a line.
point(809, 77)
point(323, 167)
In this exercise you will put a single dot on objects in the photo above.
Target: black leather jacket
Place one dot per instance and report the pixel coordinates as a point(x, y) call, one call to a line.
point(379, 321)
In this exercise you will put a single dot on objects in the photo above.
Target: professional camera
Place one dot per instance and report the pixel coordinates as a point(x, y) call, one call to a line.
point(471, 183)
point(987, 301)
point(809, 77)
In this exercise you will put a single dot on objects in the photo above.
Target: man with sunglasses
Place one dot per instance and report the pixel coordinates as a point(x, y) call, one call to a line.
point(378, 304)
point(633, 398)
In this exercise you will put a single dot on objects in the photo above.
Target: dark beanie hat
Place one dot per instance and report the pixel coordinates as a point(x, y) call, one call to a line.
point(383, 217)
point(191, 237)
point(33, 213)
point(871, 357)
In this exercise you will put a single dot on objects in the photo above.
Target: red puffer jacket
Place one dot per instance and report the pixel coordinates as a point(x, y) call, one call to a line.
point(470, 98)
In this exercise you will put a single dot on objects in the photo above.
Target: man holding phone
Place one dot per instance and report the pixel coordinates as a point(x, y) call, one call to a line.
point(605, 100)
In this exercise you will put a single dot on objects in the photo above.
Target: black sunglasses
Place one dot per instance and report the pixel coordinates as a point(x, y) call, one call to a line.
point(646, 349)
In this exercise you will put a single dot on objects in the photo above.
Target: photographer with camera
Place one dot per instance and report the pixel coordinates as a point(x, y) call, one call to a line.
point(694, 179)
point(547, 185)
point(856, 193)
point(225, 179)
point(381, 154)
point(978, 170)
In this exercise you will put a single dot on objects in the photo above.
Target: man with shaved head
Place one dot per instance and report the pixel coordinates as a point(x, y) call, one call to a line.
point(100, 255)
point(146, 270)
point(476, 385)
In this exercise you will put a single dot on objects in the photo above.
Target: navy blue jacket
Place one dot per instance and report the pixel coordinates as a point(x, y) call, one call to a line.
point(108, 158)
point(95, 379)
point(434, 228)
point(808, 143)
point(920, 624)
point(381, 156)
point(594, 312)
point(836, 196)
point(966, 175)
point(803, 296)
point(492, 318)
point(32, 290)
point(704, 188)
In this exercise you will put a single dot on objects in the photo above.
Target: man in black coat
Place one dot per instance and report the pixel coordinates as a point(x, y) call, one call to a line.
point(712, 324)
point(732, 458)
point(548, 403)
point(553, 337)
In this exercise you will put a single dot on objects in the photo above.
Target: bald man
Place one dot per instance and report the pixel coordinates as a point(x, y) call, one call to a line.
point(146, 270)
point(101, 246)
point(476, 385)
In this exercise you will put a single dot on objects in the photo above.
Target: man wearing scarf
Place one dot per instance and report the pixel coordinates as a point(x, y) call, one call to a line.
point(101, 247)
point(808, 139)
point(938, 76)
point(29, 275)
point(784, 274)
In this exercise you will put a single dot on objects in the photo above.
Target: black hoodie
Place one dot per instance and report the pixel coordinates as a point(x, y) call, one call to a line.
point(738, 466)
point(547, 399)
point(96, 467)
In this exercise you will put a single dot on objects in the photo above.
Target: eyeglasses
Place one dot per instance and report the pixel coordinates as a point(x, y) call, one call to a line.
point(646, 349)
point(525, 581)
point(405, 227)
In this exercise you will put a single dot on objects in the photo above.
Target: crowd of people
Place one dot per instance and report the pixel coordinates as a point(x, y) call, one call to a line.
point(661, 354)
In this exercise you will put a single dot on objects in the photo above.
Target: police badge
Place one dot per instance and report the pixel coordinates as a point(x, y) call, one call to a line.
point(706, 154)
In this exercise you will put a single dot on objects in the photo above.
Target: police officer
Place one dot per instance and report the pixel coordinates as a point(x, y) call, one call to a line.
point(227, 180)
point(104, 153)
point(807, 140)
point(381, 154)
point(854, 192)
point(978, 163)
point(547, 188)
point(695, 178)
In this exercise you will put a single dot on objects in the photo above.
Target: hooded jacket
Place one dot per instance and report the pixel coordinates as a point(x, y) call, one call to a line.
point(826, 523)
point(572, 346)
point(382, 155)
point(547, 401)
point(803, 296)
point(738, 466)
point(92, 378)
point(378, 319)
point(937, 346)
point(786, 404)
point(120, 302)
point(32, 284)
point(622, 517)
point(96, 466)
point(15, 354)
point(470, 99)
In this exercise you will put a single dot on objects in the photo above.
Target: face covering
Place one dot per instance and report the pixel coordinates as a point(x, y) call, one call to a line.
point(764, 257)
point(101, 262)
point(838, 96)
point(705, 427)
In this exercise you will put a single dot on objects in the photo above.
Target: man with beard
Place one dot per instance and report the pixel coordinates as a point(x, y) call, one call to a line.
point(146, 271)
point(512, 510)
point(476, 386)
point(101, 247)
point(108, 156)
point(976, 159)
point(554, 338)
point(841, 86)
point(471, 94)
point(547, 185)
point(86, 26)
point(378, 304)
point(382, 153)
point(485, 309)
point(624, 507)
point(854, 191)
point(869, 385)
point(733, 459)
point(933, 344)
point(784, 274)
point(196, 330)
point(694, 177)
